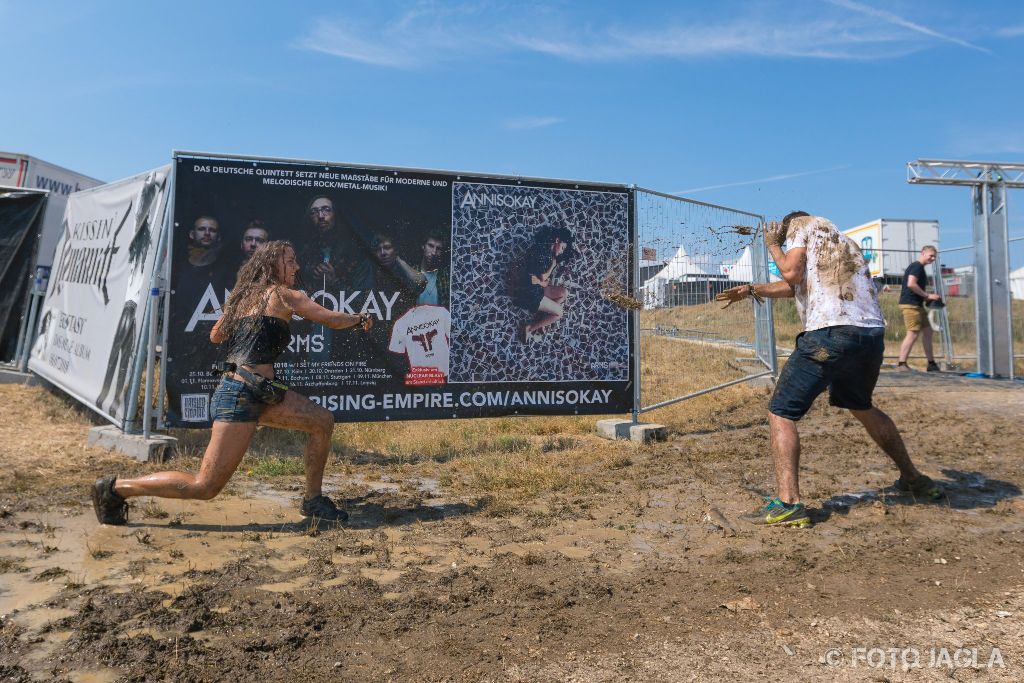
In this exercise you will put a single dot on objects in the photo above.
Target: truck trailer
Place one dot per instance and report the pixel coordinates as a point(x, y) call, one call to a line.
point(33, 194)
point(25, 171)
point(890, 244)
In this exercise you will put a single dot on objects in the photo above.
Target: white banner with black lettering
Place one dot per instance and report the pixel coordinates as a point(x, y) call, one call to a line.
point(92, 317)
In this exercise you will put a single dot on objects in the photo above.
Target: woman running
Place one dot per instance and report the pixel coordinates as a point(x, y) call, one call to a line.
point(255, 327)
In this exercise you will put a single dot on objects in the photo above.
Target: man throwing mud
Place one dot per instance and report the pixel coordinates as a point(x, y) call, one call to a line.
point(840, 349)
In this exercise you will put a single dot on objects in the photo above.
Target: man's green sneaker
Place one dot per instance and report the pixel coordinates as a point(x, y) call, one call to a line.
point(922, 487)
point(777, 513)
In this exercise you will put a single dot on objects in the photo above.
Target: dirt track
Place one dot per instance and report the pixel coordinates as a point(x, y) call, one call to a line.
point(637, 580)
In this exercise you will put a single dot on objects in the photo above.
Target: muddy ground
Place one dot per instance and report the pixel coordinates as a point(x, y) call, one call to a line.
point(649, 576)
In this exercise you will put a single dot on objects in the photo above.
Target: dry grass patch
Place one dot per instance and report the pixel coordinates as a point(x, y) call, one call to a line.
point(511, 459)
point(710, 320)
point(42, 442)
point(671, 368)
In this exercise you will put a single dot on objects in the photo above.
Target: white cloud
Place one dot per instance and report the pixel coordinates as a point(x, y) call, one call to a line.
point(823, 39)
point(427, 33)
point(758, 181)
point(1011, 31)
point(532, 122)
point(897, 20)
point(433, 33)
point(345, 40)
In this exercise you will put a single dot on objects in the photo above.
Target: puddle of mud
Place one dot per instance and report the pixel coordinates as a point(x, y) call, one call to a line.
point(19, 592)
point(154, 633)
point(146, 552)
point(101, 675)
point(345, 560)
point(845, 501)
point(361, 481)
point(287, 565)
point(575, 553)
point(48, 645)
point(35, 619)
point(338, 581)
point(286, 586)
point(431, 487)
point(381, 575)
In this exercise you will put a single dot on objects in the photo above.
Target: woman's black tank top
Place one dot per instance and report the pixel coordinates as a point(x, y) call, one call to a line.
point(258, 339)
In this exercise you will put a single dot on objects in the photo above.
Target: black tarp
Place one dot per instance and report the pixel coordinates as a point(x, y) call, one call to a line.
point(20, 216)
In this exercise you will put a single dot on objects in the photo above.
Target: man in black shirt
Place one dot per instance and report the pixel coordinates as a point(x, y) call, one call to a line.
point(912, 299)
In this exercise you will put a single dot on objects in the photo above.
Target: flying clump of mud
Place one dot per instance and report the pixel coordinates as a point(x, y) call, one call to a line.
point(623, 301)
point(744, 230)
point(613, 287)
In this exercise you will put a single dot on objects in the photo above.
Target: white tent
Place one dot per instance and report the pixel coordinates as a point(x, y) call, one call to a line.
point(742, 270)
point(1017, 283)
point(679, 267)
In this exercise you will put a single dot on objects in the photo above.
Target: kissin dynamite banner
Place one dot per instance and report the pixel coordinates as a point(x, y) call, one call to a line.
point(488, 298)
point(91, 319)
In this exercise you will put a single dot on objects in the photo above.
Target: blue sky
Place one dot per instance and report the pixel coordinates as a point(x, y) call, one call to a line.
point(764, 106)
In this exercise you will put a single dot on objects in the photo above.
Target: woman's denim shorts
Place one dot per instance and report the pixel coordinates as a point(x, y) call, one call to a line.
point(233, 401)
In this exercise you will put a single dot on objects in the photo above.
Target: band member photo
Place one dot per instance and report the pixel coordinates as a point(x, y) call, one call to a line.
point(204, 241)
point(433, 264)
point(532, 284)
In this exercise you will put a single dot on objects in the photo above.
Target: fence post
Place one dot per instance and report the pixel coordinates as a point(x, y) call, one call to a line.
point(27, 336)
point(764, 321)
point(992, 280)
point(942, 314)
point(635, 314)
point(166, 253)
point(147, 409)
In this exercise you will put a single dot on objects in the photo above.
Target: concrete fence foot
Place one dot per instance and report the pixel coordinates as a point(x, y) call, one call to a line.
point(157, 448)
point(625, 429)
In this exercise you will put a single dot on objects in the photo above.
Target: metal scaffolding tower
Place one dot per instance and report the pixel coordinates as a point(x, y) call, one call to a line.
point(988, 182)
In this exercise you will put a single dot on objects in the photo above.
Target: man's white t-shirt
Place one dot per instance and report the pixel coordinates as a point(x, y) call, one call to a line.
point(837, 287)
point(423, 333)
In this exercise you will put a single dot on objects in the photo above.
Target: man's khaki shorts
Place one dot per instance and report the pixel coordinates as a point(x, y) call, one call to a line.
point(914, 317)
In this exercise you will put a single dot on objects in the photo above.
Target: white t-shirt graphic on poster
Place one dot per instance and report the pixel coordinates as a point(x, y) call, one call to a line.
point(423, 333)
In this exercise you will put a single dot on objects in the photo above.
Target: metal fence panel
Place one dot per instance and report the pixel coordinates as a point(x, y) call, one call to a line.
point(688, 344)
point(1017, 303)
point(955, 335)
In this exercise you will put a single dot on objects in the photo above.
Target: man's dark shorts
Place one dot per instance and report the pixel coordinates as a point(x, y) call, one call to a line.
point(845, 359)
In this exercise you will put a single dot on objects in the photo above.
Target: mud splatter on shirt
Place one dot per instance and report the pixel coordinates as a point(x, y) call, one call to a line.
point(837, 287)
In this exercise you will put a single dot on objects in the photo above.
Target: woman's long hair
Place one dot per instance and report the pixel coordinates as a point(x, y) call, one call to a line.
point(253, 288)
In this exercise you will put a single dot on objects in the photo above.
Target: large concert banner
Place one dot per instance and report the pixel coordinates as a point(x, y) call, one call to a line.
point(490, 297)
point(92, 316)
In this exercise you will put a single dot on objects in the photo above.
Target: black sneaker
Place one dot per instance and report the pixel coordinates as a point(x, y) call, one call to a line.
point(922, 487)
point(933, 367)
point(110, 508)
point(323, 508)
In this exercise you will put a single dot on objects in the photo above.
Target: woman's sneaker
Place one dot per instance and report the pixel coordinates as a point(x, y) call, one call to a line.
point(922, 487)
point(777, 513)
point(323, 508)
point(110, 508)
